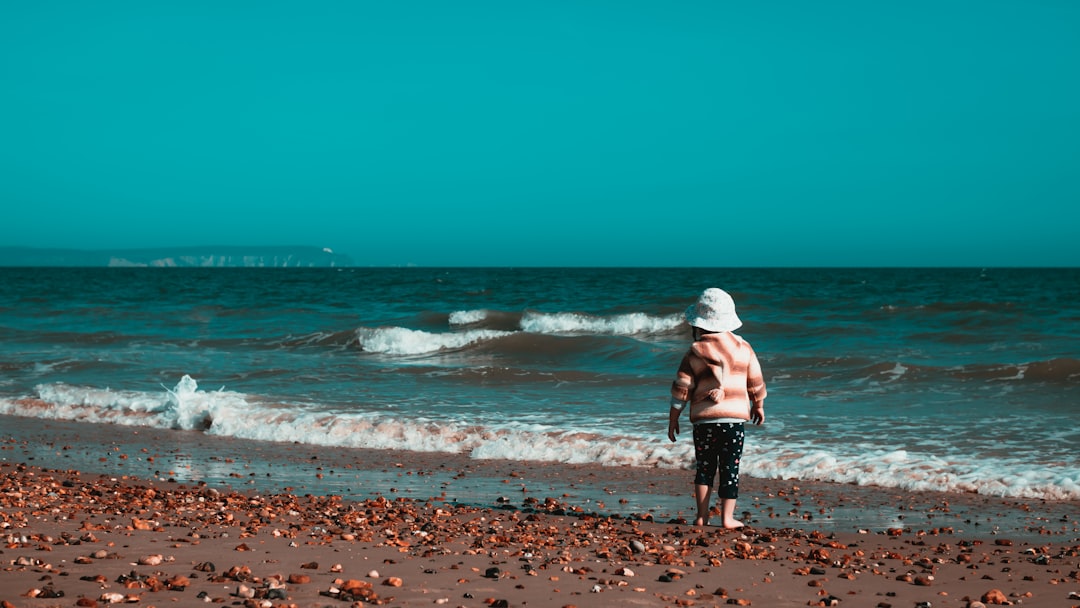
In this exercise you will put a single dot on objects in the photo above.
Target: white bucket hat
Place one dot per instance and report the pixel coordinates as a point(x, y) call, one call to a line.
point(714, 311)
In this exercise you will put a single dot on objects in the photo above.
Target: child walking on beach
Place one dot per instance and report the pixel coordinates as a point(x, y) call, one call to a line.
point(721, 378)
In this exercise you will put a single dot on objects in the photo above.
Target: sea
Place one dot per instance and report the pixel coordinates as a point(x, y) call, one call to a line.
point(951, 380)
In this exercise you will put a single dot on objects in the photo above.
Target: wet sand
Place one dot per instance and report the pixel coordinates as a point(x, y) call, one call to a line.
point(92, 514)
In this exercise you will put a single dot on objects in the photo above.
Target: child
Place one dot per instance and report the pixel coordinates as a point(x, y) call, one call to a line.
point(721, 379)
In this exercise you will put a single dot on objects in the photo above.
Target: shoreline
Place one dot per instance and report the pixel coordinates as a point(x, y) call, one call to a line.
point(631, 492)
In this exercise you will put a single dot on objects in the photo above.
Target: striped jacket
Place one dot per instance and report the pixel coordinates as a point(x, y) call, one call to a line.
point(721, 377)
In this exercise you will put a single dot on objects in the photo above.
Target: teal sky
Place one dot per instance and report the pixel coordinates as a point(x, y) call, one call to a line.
point(608, 133)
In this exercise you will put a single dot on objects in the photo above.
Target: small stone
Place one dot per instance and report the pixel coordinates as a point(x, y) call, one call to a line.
point(393, 581)
point(245, 592)
point(178, 583)
point(637, 546)
point(354, 587)
point(995, 596)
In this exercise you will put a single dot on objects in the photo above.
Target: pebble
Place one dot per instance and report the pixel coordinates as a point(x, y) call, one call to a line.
point(151, 560)
point(592, 549)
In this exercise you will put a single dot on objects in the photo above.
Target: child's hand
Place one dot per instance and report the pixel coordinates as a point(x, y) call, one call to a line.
point(673, 428)
point(757, 413)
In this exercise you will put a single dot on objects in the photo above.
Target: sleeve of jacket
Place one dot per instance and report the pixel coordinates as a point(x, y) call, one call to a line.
point(755, 380)
point(683, 385)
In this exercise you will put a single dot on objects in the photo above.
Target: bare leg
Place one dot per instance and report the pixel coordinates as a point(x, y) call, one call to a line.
point(727, 507)
point(702, 494)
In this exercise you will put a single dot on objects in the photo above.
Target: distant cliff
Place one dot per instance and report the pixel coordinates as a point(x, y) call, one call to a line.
point(178, 257)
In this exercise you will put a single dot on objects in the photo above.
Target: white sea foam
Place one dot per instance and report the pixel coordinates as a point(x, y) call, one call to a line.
point(623, 325)
point(897, 372)
point(468, 317)
point(233, 414)
point(911, 471)
point(571, 322)
point(182, 407)
point(403, 341)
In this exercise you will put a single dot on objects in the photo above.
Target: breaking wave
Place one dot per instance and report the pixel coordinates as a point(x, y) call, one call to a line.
point(232, 414)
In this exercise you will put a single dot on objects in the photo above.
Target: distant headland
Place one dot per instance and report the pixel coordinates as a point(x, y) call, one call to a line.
point(178, 257)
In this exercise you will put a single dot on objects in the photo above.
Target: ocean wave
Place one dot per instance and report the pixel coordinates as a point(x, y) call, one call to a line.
point(859, 370)
point(404, 341)
point(320, 338)
point(231, 414)
point(485, 318)
point(915, 471)
point(469, 317)
point(182, 407)
point(1055, 370)
point(629, 324)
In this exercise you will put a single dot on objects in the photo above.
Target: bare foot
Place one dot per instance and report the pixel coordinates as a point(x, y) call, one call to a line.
point(701, 521)
point(732, 524)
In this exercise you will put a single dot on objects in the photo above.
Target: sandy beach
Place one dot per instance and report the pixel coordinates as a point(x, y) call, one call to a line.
point(128, 533)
